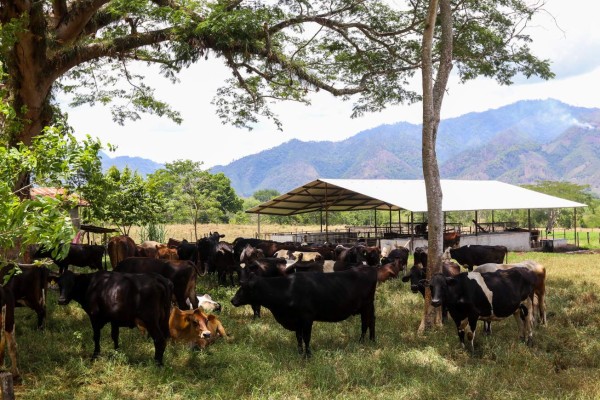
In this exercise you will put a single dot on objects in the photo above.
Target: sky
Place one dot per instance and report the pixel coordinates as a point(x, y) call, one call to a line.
point(567, 34)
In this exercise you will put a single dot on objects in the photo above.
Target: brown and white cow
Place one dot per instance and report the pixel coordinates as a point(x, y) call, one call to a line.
point(195, 327)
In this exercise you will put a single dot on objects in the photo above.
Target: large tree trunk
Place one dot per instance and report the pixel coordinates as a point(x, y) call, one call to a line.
point(432, 102)
point(30, 80)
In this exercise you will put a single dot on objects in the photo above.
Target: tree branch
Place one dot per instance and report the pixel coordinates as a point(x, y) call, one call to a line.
point(73, 23)
point(59, 9)
point(64, 61)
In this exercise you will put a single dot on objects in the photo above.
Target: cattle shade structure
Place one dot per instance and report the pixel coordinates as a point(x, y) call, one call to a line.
point(410, 195)
point(395, 194)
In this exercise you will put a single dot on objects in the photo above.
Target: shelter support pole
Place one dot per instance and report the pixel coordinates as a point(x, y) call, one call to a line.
point(326, 216)
point(400, 221)
point(321, 219)
point(375, 218)
point(390, 219)
point(529, 219)
point(575, 225)
point(476, 223)
point(412, 232)
point(493, 229)
point(258, 225)
point(327, 225)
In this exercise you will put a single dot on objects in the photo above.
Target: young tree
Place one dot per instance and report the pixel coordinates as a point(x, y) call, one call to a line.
point(483, 38)
point(195, 193)
point(127, 200)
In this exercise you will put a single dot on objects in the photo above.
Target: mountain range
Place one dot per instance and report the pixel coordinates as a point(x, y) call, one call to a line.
point(523, 142)
point(143, 166)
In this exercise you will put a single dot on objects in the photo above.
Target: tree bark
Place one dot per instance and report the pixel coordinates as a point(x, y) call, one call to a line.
point(432, 102)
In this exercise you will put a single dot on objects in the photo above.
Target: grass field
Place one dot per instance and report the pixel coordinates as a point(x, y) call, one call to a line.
point(260, 361)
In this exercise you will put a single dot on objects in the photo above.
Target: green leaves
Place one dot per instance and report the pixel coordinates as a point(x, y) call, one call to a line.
point(123, 198)
point(54, 159)
point(193, 194)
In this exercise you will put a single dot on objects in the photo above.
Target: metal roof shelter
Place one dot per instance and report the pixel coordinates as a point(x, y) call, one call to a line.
point(393, 194)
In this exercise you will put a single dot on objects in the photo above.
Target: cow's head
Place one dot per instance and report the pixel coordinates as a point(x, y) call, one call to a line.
point(415, 276)
point(439, 288)
point(244, 294)
point(199, 321)
point(66, 285)
point(250, 253)
point(208, 304)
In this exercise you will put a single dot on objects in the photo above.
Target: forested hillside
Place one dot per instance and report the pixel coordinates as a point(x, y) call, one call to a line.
point(519, 143)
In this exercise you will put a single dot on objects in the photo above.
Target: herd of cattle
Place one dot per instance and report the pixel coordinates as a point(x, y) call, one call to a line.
point(152, 286)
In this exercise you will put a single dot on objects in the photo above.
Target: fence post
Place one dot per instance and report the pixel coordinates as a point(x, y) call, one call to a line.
point(6, 380)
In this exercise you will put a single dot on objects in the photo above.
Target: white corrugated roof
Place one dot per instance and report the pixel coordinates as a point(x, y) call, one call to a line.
point(393, 194)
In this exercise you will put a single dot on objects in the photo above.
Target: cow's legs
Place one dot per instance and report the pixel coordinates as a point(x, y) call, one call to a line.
point(256, 310)
point(367, 319)
point(114, 334)
point(12, 352)
point(471, 335)
point(306, 333)
point(487, 327)
point(40, 310)
point(97, 328)
point(160, 342)
point(299, 340)
point(527, 320)
point(541, 307)
point(460, 330)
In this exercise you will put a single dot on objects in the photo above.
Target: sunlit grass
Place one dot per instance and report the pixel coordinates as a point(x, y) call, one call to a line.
point(261, 360)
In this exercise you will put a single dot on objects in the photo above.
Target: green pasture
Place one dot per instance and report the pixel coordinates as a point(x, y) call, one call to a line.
point(586, 238)
point(260, 361)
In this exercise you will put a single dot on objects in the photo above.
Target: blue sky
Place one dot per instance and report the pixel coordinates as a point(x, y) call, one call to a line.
point(567, 34)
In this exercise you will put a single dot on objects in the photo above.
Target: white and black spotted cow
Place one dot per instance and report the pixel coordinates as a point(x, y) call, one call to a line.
point(540, 287)
point(489, 296)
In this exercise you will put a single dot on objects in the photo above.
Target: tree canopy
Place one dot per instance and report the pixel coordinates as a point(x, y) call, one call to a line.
point(193, 194)
point(275, 50)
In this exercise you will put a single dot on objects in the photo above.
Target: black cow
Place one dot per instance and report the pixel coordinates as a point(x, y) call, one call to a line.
point(475, 254)
point(418, 273)
point(225, 263)
point(182, 273)
point(299, 299)
point(29, 287)
point(188, 251)
point(268, 247)
point(207, 250)
point(266, 267)
point(420, 256)
point(123, 300)
point(399, 253)
point(79, 255)
point(249, 253)
point(489, 296)
point(305, 266)
point(348, 257)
